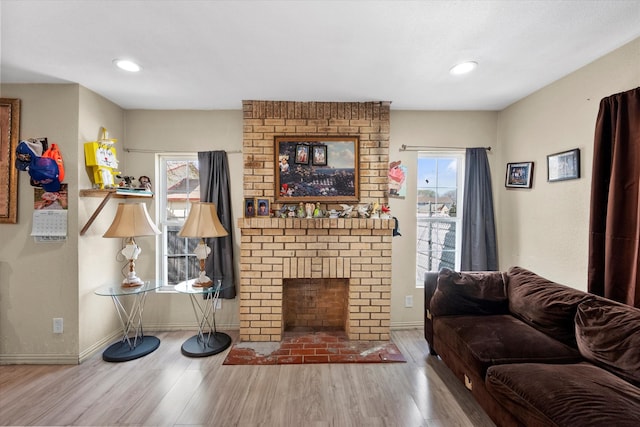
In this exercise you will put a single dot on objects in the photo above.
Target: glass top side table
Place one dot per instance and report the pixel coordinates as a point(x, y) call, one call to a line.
point(134, 342)
point(208, 340)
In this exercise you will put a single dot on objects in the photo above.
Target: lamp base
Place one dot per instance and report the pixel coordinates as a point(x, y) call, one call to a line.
point(197, 284)
point(131, 285)
point(203, 281)
point(132, 282)
point(132, 279)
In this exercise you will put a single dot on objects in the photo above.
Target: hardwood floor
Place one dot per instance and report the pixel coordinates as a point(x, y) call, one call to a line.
point(166, 388)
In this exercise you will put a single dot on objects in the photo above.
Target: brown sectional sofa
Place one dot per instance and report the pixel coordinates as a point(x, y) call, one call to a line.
point(533, 352)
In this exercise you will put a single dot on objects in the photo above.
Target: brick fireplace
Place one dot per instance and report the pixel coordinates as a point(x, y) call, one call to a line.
point(321, 251)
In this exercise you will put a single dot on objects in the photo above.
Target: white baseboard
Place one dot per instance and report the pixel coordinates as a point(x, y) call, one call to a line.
point(407, 325)
point(39, 359)
point(97, 346)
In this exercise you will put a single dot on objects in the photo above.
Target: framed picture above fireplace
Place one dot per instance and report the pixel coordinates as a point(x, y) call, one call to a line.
point(316, 169)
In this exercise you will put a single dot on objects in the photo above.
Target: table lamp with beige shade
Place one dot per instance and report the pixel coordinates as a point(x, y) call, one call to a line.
point(201, 223)
point(131, 220)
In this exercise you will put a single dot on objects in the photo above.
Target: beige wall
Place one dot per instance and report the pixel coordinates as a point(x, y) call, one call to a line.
point(97, 256)
point(545, 229)
point(184, 132)
point(39, 281)
point(435, 129)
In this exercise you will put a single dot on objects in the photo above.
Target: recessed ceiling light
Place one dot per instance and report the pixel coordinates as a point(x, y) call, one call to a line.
point(463, 68)
point(125, 64)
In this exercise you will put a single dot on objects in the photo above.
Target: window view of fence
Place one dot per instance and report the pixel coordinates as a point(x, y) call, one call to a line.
point(436, 245)
point(180, 186)
point(437, 215)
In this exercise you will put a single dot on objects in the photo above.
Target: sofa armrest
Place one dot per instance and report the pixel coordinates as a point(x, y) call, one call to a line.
point(430, 285)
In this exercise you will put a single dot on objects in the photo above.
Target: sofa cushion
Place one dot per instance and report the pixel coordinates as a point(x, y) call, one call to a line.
point(469, 293)
point(608, 335)
point(543, 304)
point(482, 341)
point(580, 394)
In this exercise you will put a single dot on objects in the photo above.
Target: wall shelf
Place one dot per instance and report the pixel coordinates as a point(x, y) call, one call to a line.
point(106, 194)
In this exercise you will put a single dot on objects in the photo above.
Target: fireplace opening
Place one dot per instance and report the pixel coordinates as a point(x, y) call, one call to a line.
point(315, 305)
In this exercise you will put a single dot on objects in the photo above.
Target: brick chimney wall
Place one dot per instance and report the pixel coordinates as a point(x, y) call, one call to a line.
point(274, 249)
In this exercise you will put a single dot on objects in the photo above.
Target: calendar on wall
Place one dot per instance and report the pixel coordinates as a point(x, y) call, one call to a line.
point(49, 225)
point(50, 215)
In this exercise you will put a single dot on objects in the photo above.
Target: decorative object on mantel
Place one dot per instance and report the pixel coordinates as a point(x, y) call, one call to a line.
point(375, 211)
point(249, 207)
point(263, 207)
point(346, 211)
point(313, 347)
point(385, 212)
point(202, 222)
point(396, 229)
point(131, 220)
point(317, 212)
point(364, 211)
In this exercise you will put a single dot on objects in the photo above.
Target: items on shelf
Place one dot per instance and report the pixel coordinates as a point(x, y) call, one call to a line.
point(100, 156)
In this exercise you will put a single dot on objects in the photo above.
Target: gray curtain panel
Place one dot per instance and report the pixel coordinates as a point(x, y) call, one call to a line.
point(479, 248)
point(214, 188)
point(614, 265)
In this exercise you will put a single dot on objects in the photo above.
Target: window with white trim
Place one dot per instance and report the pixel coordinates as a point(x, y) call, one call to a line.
point(439, 211)
point(179, 185)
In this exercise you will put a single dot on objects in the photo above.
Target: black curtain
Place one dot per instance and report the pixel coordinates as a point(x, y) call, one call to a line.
point(614, 224)
point(479, 249)
point(214, 188)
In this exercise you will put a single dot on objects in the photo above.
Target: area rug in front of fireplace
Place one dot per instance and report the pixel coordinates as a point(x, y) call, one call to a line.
point(314, 347)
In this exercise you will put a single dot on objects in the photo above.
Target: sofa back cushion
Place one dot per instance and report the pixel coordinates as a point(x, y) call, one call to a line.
point(469, 293)
point(543, 304)
point(608, 335)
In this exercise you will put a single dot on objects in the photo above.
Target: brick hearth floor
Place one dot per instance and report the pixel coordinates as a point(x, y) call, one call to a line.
point(313, 347)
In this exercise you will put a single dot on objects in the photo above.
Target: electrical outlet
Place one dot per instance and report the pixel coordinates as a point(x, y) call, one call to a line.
point(58, 325)
point(218, 304)
point(408, 301)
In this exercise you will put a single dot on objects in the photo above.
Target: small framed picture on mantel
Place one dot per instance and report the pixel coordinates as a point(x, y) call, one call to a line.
point(519, 175)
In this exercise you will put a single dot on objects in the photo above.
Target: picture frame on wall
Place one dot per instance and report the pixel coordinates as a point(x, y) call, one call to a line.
point(9, 137)
point(519, 175)
point(325, 169)
point(263, 207)
point(563, 166)
point(249, 207)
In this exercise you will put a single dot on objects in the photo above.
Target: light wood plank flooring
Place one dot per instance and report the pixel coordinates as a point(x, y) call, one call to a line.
point(166, 388)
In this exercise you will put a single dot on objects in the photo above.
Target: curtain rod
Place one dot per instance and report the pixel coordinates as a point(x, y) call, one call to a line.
point(142, 150)
point(425, 147)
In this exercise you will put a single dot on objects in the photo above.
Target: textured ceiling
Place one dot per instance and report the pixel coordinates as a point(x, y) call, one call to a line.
point(214, 54)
